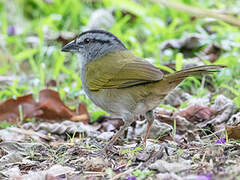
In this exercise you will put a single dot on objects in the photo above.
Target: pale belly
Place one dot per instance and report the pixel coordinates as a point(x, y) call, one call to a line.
point(124, 101)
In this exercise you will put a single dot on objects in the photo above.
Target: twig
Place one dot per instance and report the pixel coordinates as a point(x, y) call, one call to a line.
point(200, 12)
point(126, 172)
point(93, 174)
point(213, 134)
point(204, 155)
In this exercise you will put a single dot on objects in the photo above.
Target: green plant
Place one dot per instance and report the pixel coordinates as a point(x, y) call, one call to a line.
point(142, 174)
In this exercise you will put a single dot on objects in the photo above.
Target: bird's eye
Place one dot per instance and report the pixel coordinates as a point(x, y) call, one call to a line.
point(87, 40)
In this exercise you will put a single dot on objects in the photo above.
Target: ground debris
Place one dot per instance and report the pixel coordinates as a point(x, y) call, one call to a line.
point(175, 167)
point(49, 107)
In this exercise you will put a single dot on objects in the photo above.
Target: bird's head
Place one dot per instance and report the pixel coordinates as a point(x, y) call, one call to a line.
point(93, 44)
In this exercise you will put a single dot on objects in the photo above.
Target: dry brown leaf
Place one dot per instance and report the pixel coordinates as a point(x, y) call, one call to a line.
point(164, 115)
point(51, 83)
point(9, 109)
point(197, 113)
point(212, 52)
point(109, 124)
point(82, 114)
point(96, 164)
point(50, 107)
point(233, 132)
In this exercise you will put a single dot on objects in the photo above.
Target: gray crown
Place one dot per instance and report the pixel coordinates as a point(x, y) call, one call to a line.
point(93, 44)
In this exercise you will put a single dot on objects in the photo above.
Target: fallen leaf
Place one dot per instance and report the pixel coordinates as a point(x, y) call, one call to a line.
point(109, 124)
point(225, 107)
point(105, 136)
point(96, 164)
point(61, 127)
point(51, 83)
point(212, 52)
point(9, 109)
point(233, 132)
point(50, 107)
point(164, 115)
point(51, 177)
point(30, 133)
point(82, 114)
point(185, 44)
point(158, 129)
point(54, 109)
point(234, 120)
point(8, 135)
point(12, 172)
point(164, 166)
point(56, 172)
point(197, 113)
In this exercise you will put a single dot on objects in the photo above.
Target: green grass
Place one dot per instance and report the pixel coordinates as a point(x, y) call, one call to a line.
point(142, 29)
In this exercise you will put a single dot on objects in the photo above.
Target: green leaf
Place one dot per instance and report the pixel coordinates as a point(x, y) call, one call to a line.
point(4, 69)
point(4, 124)
point(59, 61)
point(179, 61)
point(26, 54)
point(165, 68)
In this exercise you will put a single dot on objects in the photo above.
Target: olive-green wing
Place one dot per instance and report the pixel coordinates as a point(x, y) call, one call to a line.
point(119, 70)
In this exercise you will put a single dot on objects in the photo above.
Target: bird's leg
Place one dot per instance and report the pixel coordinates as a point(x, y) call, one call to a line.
point(128, 120)
point(150, 118)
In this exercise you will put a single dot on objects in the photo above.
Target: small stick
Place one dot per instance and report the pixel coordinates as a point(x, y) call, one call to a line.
point(126, 172)
point(93, 174)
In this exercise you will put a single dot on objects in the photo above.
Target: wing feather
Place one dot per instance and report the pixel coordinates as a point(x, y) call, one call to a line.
point(120, 70)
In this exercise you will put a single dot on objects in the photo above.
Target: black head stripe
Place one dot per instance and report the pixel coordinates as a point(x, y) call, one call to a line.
point(100, 41)
point(102, 32)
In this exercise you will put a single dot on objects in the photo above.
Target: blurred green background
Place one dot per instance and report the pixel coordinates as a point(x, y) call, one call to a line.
point(32, 33)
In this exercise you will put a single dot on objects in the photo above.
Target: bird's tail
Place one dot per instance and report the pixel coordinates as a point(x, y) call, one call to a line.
point(171, 81)
point(179, 76)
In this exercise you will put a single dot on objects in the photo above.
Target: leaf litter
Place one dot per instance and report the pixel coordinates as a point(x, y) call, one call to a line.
point(64, 148)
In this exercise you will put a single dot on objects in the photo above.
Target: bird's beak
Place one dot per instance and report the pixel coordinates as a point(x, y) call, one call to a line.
point(70, 47)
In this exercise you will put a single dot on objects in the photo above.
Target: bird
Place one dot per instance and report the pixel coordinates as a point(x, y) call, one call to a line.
point(121, 83)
